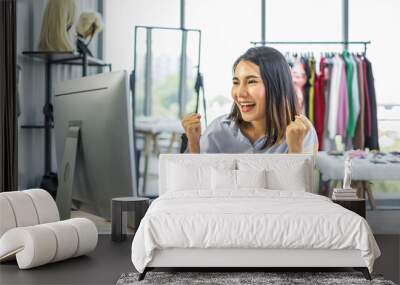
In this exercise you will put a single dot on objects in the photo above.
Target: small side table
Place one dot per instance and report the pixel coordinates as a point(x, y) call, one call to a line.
point(119, 208)
point(356, 205)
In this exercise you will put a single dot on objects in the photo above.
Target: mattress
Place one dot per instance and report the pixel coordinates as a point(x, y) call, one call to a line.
point(250, 219)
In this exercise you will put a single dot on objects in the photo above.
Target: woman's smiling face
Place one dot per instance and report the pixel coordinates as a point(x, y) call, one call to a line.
point(248, 91)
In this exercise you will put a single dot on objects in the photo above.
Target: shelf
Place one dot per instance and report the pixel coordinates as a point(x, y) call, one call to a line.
point(70, 58)
point(52, 58)
point(33, 127)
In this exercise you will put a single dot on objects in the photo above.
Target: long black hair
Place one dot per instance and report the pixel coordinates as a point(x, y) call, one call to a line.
point(281, 103)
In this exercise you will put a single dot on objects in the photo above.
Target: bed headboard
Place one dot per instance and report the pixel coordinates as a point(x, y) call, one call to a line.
point(284, 161)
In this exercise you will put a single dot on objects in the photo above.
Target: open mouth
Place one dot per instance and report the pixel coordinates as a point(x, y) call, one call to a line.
point(247, 106)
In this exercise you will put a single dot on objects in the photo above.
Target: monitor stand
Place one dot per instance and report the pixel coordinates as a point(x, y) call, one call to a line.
point(66, 173)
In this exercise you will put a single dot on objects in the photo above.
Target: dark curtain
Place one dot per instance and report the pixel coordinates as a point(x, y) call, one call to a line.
point(8, 97)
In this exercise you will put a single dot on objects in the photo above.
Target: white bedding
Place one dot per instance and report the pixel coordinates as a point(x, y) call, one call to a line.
point(251, 218)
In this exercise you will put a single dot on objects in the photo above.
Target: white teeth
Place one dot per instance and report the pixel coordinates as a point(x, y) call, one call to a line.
point(247, 104)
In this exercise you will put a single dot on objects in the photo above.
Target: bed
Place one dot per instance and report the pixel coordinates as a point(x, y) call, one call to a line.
point(247, 211)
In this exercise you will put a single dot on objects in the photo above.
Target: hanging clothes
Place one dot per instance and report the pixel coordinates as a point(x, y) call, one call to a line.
point(359, 138)
point(349, 81)
point(319, 104)
point(367, 113)
point(328, 143)
point(342, 115)
point(334, 97)
point(307, 86)
point(355, 96)
point(372, 141)
point(311, 92)
point(339, 99)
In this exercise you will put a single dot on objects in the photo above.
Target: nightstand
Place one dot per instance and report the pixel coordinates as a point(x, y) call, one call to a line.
point(119, 208)
point(356, 205)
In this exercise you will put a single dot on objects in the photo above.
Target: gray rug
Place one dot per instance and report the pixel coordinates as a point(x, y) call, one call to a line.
point(228, 278)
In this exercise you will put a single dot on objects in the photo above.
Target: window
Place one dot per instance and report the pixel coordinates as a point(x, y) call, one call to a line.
point(379, 22)
point(121, 16)
point(227, 28)
point(306, 20)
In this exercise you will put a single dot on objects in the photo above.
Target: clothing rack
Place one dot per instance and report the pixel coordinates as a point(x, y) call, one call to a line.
point(344, 43)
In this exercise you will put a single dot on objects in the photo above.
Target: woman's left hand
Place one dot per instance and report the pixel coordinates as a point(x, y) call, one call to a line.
point(296, 132)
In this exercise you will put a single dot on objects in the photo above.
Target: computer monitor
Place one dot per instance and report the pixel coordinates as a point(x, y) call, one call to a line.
point(99, 109)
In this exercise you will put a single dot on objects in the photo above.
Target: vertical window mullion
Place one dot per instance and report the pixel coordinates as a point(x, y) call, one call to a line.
point(148, 75)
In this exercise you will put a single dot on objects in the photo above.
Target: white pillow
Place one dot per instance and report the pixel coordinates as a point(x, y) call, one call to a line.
point(189, 177)
point(192, 176)
point(223, 179)
point(291, 173)
point(251, 178)
point(293, 180)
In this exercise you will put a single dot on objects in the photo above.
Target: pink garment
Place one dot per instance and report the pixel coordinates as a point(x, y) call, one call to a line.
point(342, 114)
point(358, 153)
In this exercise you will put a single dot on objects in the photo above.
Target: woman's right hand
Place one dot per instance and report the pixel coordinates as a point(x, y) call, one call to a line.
point(192, 127)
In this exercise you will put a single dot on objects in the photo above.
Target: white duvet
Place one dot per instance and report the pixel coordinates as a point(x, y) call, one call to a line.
point(253, 218)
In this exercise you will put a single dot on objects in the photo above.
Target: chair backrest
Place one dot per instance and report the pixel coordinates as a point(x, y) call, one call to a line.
point(26, 208)
point(285, 164)
point(184, 143)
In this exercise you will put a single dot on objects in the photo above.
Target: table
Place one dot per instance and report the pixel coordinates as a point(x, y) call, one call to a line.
point(331, 168)
point(151, 128)
point(119, 208)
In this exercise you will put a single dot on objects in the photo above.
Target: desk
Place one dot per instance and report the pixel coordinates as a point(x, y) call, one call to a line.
point(331, 168)
point(151, 128)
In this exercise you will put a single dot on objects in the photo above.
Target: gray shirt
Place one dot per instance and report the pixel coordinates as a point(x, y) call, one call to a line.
point(224, 136)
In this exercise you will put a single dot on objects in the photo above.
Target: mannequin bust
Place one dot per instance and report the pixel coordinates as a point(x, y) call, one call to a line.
point(89, 24)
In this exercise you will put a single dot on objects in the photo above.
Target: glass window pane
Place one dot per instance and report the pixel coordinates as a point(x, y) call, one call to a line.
point(383, 33)
point(306, 20)
point(166, 51)
point(227, 28)
point(121, 16)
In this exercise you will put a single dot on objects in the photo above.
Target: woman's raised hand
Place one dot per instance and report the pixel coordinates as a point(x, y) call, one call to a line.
point(296, 132)
point(192, 126)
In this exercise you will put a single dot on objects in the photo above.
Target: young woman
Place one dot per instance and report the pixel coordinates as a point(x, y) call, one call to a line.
point(264, 116)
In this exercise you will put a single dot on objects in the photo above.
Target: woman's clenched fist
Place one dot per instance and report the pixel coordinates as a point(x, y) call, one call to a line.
point(192, 127)
point(296, 131)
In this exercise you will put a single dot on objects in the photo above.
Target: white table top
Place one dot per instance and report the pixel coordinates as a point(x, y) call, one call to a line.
point(158, 125)
point(332, 167)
